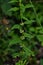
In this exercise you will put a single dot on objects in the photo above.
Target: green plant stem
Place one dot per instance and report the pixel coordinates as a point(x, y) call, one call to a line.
point(20, 9)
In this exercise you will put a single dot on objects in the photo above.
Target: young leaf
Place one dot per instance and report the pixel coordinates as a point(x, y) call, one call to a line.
point(28, 35)
point(14, 40)
point(28, 22)
point(14, 9)
point(16, 27)
point(40, 37)
point(13, 1)
point(28, 6)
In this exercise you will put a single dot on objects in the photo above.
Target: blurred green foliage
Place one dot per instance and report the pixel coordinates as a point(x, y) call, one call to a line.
point(24, 31)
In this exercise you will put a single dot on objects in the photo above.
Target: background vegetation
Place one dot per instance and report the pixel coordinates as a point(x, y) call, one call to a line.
point(21, 32)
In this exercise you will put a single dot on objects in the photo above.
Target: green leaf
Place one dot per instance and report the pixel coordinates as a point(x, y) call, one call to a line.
point(5, 7)
point(23, 17)
point(28, 35)
point(41, 61)
point(13, 1)
point(41, 30)
point(14, 40)
point(28, 6)
point(14, 55)
point(28, 22)
point(27, 51)
point(32, 29)
point(42, 43)
point(22, 7)
point(16, 27)
point(21, 62)
point(14, 9)
point(40, 37)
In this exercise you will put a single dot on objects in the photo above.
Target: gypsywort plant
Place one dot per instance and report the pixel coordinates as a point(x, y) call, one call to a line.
point(25, 35)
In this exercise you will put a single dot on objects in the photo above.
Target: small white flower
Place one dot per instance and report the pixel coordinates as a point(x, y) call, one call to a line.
point(22, 23)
